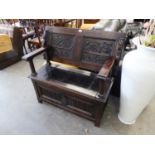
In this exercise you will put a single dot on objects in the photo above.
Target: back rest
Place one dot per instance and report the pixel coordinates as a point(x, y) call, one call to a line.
point(86, 49)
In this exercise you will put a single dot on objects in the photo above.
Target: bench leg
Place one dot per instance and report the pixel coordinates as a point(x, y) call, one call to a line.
point(37, 92)
point(39, 100)
point(98, 116)
point(99, 113)
point(97, 122)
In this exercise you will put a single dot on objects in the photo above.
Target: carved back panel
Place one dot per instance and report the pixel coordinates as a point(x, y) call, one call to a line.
point(87, 49)
point(96, 50)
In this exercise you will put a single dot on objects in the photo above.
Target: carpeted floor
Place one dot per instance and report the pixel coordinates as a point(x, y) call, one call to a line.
point(20, 112)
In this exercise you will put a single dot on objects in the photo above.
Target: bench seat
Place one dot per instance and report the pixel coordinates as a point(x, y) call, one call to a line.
point(77, 80)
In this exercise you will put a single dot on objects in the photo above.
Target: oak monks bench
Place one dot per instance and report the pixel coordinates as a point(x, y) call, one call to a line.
point(82, 85)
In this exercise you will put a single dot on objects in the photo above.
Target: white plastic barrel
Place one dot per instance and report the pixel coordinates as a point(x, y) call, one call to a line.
point(137, 83)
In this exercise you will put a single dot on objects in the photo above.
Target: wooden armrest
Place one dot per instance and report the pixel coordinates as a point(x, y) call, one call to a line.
point(106, 68)
point(31, 55)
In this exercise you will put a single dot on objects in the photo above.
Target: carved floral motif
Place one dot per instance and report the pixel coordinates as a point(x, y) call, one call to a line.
point(62, 44)
point(96, 50)
point(62, 40)
point(97, 46)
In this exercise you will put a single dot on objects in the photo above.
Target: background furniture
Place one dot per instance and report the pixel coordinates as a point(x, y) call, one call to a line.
point(12, 56)
point(112, 25)
point(84, 88)
point(37, 27)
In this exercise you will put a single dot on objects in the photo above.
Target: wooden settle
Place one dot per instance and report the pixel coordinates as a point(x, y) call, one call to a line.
point(83, 89)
